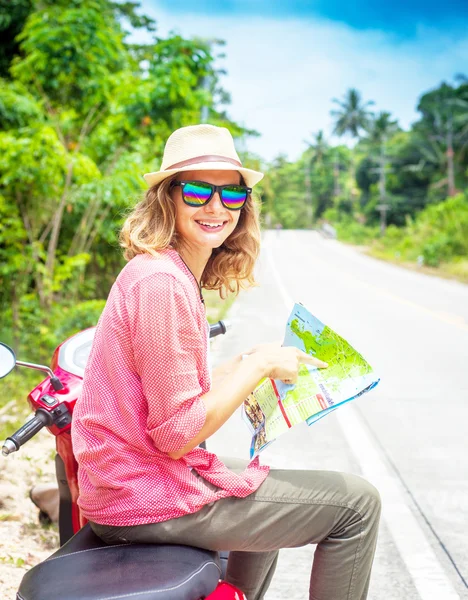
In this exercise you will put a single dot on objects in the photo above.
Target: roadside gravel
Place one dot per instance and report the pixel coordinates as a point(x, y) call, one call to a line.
point(24, 542)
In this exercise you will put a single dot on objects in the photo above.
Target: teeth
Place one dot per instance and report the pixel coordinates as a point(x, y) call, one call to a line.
point(210, 224)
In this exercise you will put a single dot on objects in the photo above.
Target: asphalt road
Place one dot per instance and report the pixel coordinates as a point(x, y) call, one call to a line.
point(409, 436)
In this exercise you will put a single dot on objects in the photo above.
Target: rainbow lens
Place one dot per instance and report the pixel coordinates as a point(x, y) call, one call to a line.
point(196, 194)
point(234, 196)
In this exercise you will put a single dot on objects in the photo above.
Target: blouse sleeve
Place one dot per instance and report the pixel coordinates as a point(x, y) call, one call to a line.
point(168, 350)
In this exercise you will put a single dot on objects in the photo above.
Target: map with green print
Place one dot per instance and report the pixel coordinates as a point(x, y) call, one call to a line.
point(274, 407)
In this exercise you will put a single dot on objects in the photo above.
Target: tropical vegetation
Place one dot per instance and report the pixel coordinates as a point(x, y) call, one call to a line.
point(402, 194)
point(83, 113)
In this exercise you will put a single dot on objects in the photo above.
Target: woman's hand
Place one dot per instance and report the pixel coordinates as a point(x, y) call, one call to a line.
point(283, 361)
point(268, 360)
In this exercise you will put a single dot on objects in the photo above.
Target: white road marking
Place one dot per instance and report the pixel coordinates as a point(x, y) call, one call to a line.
point(423, 565)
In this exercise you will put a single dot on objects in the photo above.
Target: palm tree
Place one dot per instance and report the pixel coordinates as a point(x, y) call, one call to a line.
point(379, 131)
point(320, 152)
point(444, 129)
point(318, 147)
point(352, 117)
point(314, 156)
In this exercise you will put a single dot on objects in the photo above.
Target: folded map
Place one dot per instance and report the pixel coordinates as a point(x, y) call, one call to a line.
point(274, 407)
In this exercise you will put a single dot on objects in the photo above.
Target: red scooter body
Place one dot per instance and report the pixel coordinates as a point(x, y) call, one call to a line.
point(55, 407)
point(67, 396)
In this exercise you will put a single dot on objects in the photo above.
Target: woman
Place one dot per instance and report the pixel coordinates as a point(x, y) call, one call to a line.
point(149, 399)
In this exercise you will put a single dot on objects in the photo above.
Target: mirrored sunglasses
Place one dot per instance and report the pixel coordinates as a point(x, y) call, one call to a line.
point(199, 193)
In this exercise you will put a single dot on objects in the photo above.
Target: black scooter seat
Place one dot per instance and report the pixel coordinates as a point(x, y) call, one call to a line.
point(85, 568)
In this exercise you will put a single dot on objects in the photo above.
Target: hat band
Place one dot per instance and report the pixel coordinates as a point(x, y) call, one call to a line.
point(202, 159)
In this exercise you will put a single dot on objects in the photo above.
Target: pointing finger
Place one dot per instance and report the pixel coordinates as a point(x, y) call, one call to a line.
point(311, 360)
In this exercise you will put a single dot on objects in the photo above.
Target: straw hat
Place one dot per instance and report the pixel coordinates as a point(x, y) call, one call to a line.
point(201, 148)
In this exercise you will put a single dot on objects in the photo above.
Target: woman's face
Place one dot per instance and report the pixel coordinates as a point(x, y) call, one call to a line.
point(205, 227)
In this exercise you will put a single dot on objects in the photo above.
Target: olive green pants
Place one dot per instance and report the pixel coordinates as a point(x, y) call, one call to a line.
point(338, 512)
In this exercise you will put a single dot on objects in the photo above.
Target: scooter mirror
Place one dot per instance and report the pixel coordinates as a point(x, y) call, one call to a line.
point(7, 360)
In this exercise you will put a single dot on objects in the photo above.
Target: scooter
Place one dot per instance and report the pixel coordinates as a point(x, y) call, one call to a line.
point(84, 567)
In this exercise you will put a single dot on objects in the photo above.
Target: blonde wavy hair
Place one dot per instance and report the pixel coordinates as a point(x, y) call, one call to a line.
point(150, 228)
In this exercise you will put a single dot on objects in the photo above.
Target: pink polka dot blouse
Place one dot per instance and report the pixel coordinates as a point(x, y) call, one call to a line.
point(141, 399)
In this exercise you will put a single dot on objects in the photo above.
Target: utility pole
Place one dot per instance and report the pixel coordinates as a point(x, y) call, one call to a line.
point(309, 199)
point(383, 208)
point(336, 177)
point(450, 163)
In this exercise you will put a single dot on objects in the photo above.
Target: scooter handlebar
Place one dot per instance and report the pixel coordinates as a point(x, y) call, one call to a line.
point(219, 328)
point(26, 432)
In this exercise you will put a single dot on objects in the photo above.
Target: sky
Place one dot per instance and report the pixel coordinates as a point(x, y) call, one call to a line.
point(286, 60)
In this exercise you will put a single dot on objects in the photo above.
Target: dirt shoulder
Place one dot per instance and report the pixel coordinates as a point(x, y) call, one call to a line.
point(24, 542)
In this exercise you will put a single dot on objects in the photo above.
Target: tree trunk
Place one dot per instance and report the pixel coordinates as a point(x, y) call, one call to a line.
point(336, 178)
point(30, 233)
point(97, 225)
point(54, 236)
point(82, 232)
point(352, 175)
point(383, 206)
point(15, 318)
point(450, 164)
point(382, 178)
point(309, 199)
point(383, 218)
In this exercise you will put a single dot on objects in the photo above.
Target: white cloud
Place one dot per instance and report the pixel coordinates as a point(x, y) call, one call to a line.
point(282, 74)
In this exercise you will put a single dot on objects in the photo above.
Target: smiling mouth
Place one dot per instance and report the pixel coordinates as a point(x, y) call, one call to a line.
point(209, 226)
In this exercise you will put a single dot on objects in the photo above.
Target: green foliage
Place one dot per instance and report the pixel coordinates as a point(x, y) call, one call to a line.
point(33, 163)
point(439, 234)
point(442, 230)
point(76, 318)
point(14, 408)
point(349, 229)
point(379, 130)
point(82, 115)
point(284, 195)
point(186, 62)
point(442, 135)
point(70, 52)
point(297, 194)
point(13, 14)
point(18, 108)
